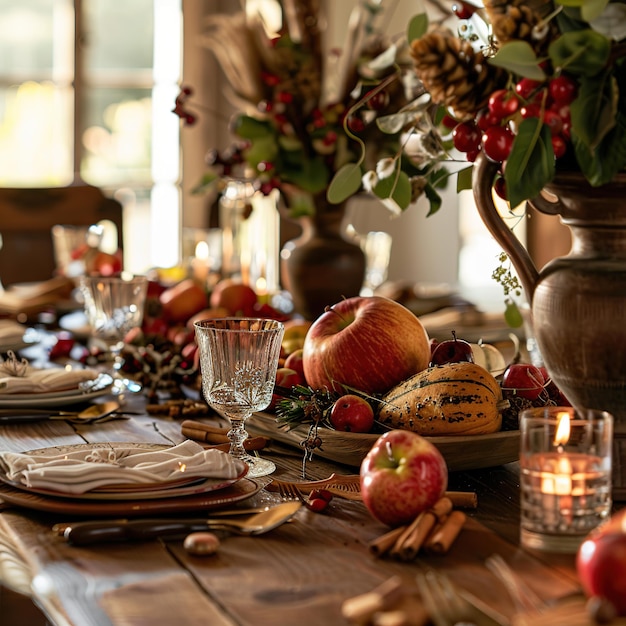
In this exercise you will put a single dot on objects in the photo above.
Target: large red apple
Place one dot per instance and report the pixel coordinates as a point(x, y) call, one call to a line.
point(601, 563)
point(402, 475)
point(367, 343)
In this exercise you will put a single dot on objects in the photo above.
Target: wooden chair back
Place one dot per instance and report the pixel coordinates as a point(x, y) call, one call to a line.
point(26, 220)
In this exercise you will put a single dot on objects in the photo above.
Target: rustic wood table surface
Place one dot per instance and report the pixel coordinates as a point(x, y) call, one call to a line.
point(300, 573)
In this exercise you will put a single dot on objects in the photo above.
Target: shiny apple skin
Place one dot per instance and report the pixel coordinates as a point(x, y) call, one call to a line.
point(601, 566)
point(367, 343)
point(352, 414)
point(601, 563)
point(402, 475)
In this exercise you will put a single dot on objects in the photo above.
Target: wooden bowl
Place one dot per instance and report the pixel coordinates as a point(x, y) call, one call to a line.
point(460, 452)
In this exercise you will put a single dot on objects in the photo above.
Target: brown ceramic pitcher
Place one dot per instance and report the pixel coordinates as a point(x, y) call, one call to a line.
point(578, 301)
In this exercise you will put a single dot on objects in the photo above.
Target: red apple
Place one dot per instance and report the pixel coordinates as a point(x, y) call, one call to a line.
point(451, 351)
point(237, 298)
point(402, 475)
point(524, 380)
point(295, 361)
point(601, 563)
point(353, 414)
point(183, 300)
point(285, 377)
point(367, 343)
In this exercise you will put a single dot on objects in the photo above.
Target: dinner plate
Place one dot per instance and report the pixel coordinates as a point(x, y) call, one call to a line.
point(238, 491)
point(151, 491)
point(100, 386)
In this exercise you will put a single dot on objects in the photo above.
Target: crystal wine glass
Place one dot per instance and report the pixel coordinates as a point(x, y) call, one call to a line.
point(114, 305)
point(238, 362)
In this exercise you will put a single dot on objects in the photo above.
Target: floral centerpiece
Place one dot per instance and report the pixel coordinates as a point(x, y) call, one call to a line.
point(312, 121)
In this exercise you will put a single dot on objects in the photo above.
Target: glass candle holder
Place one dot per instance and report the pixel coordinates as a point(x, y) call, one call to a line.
point(565, 460)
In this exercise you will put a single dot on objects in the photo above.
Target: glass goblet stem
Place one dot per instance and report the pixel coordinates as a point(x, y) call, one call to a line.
point(237, 435)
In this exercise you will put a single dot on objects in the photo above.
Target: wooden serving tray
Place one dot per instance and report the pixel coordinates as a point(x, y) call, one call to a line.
point(460, 452)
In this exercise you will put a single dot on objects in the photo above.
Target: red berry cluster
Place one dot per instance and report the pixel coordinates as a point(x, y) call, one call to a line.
point(179, 106)
point(492, 130)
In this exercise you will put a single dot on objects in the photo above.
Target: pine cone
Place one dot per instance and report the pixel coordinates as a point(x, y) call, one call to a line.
point(519, 19)
point(454, 73)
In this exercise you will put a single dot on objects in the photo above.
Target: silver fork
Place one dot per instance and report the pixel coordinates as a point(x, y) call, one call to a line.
point(347, 487)
point(288, 491)
point(525, 599)
point(441, 601)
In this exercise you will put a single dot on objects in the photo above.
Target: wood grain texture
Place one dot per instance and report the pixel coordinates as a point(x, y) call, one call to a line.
point(299, 573)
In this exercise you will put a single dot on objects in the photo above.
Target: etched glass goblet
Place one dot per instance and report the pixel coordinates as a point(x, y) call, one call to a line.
point(238, 362)
point(114, 305)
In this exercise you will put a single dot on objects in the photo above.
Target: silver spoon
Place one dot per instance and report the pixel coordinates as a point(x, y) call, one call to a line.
point(85, 533)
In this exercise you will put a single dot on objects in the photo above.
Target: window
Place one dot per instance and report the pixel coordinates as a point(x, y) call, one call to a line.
point(86, 92)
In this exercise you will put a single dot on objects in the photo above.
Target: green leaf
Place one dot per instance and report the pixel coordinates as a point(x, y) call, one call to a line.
point(594, 109)
point(417, 27)
point(531, 162)
point(397, 187)
point(250, 128)
point(309, 174)
point(519, 58)
point(345, 183)
point(580, 52)
point(464, 179)
point(512, 314)
point(434, 198)
point(609, 158)
point(261, 149)
point(589, 9)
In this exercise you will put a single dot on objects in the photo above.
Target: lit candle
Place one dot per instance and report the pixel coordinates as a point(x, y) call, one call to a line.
point(558, 481)
point(200, 262)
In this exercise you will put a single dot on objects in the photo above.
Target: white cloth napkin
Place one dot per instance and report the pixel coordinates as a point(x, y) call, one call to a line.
point(83, 470)
point(45, 380)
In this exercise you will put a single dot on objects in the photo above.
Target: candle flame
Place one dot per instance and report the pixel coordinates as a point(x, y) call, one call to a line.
point(182, 466)
point(202, 250)
point(561, 436)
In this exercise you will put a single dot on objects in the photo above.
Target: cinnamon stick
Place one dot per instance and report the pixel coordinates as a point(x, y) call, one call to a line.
point(463, 499)
point(411, 540)
point(203, 435)
point(442, 538)
point(381, 545)
point(360, 609)
point(208, 428)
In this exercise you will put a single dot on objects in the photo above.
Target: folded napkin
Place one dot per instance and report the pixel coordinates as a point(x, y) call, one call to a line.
point(33, 380)
point(83, 470)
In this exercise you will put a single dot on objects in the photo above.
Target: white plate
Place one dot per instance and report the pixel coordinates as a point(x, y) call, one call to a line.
point(152, 491)
point(100, 386)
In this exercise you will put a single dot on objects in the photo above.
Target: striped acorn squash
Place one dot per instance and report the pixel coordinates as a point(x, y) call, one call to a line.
point(451, 399)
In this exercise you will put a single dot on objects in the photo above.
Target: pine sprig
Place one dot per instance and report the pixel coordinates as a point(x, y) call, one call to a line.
point(303, 405)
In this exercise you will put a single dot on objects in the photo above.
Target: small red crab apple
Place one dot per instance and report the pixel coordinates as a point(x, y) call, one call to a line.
point(351, 413)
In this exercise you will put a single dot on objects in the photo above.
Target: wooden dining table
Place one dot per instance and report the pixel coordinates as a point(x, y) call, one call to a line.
point(300, 573)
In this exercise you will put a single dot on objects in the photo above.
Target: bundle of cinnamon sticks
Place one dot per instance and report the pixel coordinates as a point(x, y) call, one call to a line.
point(217, 437)
point(432, 531)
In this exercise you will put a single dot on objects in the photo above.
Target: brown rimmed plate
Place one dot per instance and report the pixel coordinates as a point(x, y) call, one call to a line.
point(242, 489)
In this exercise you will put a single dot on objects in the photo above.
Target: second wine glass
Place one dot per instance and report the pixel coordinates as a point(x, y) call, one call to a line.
point(114, 305)
point(238, 362)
